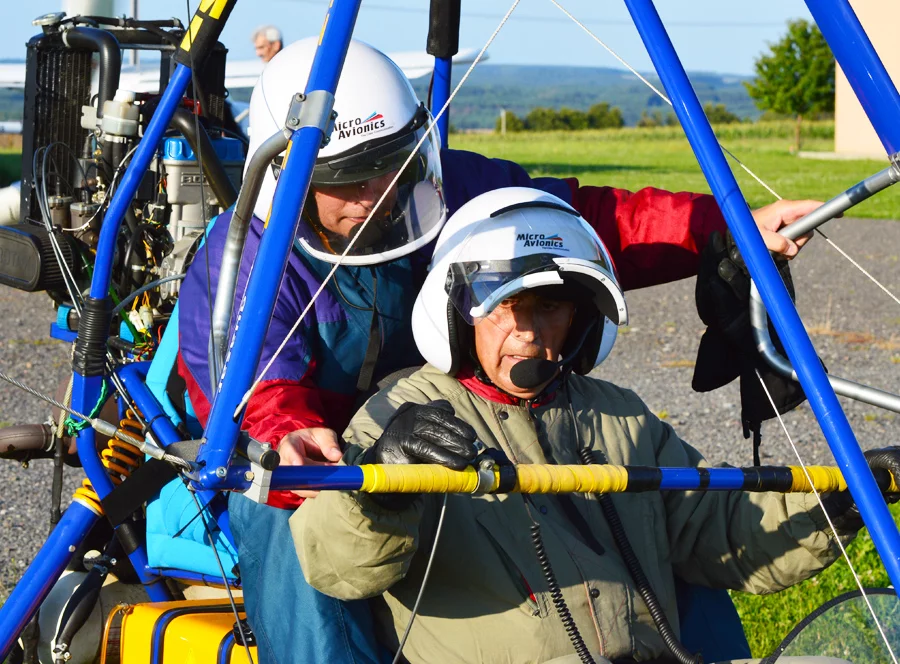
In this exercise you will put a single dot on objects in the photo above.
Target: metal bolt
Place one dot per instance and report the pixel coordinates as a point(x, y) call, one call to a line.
point(71, 548)
point(221, 472)
point(293, 122)
point(248, 475)
point(487, 464)
point(299, 96)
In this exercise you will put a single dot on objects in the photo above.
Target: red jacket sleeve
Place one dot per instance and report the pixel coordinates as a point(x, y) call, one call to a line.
point(654, 236)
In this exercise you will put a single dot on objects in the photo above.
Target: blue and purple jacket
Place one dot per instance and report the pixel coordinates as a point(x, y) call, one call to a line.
point(653, 236)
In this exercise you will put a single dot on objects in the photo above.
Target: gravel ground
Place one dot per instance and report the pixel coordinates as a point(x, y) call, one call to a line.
point(854, 328)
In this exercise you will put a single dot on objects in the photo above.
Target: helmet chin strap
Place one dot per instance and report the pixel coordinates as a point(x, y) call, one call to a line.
point(531, 373)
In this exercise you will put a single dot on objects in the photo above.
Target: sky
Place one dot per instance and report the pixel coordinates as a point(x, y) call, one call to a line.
point(710, 35)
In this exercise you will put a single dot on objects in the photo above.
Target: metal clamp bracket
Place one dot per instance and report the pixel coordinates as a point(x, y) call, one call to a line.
point(312, 110)
point(260, 481)
point(895, 165)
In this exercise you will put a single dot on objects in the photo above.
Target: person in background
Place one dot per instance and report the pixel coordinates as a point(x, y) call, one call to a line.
point(268, 42)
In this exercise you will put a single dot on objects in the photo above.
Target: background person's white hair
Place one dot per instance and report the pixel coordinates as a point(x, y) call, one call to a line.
point(270, 32)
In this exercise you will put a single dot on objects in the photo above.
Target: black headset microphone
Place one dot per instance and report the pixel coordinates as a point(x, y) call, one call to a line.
point(536, 371)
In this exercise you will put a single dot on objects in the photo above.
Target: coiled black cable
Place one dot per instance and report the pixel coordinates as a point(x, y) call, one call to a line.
point(556, 596)
point(641, 582)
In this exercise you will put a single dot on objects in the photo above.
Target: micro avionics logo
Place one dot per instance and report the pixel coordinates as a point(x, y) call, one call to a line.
point(358, 126)
point(540, 240)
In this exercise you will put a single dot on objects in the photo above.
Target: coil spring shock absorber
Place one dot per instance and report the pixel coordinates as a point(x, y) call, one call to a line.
point(118, 457)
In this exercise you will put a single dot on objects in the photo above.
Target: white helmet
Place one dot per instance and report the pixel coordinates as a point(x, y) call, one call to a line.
point(501, 243)
point(379, 122)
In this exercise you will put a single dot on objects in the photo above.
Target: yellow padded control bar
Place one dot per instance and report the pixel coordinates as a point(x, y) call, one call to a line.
point(425, 478)
point(825, 478)
point(571, 479)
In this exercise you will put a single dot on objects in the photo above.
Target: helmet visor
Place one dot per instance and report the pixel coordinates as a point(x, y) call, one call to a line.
point(411, 212)
point(476, 287)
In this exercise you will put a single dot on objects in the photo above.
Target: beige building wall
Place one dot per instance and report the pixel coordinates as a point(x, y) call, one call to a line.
point(853, 133)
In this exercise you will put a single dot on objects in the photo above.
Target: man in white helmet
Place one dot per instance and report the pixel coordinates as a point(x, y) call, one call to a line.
point(359, 328)
point(510, 320)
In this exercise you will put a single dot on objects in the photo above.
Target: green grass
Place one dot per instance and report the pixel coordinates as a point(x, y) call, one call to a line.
point(632, 158)
point(768, 618)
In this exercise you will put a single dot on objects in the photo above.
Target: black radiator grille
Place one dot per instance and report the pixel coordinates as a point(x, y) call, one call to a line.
point(57, 85)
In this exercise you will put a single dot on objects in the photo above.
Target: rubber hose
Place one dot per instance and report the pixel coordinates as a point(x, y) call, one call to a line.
point(107, 46)
point(184, 122)
point(556, 596)
point(637, 574)
point(130, 279)
point(77, 610)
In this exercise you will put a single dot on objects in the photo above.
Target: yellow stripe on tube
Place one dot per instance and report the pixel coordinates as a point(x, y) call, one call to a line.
point(825, 479)
point(191, 34)
point(425, 478)
point(571, 479)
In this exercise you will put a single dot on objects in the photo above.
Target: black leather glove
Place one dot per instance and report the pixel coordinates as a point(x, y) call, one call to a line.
point(885, 464)
point(727, 348)
point(422, 434)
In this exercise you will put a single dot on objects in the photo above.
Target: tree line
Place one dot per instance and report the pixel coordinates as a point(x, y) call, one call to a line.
point(600, 116)
point(795, 78)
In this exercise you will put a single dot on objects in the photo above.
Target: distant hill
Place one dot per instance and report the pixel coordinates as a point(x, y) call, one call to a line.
point(519, 88)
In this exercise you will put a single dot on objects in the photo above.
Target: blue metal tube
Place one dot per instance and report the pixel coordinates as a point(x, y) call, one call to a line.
point(133, 377)
point(259, 300)
point(42, 573)
point(112, 220)
point(316, 477)
point(82, 388)
point(787, 322)
point(85, 392)
point(864, 70)
point(440, 93)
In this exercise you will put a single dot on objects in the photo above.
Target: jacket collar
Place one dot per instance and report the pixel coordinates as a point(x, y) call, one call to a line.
point(490, 392)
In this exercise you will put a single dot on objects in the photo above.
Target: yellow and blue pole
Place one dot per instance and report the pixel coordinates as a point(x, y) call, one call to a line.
point(539, 478)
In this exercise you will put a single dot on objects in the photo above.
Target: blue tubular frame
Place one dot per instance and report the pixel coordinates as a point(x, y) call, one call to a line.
point(55, 554)
point(43, 572)
point(440, 93)
point(262, 289)
point(862, 66)
point(787, 322)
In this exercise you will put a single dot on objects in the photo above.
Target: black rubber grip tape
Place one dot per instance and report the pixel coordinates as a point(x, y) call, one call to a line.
point(89, 354)
point(203, 32)
point(443, 28)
